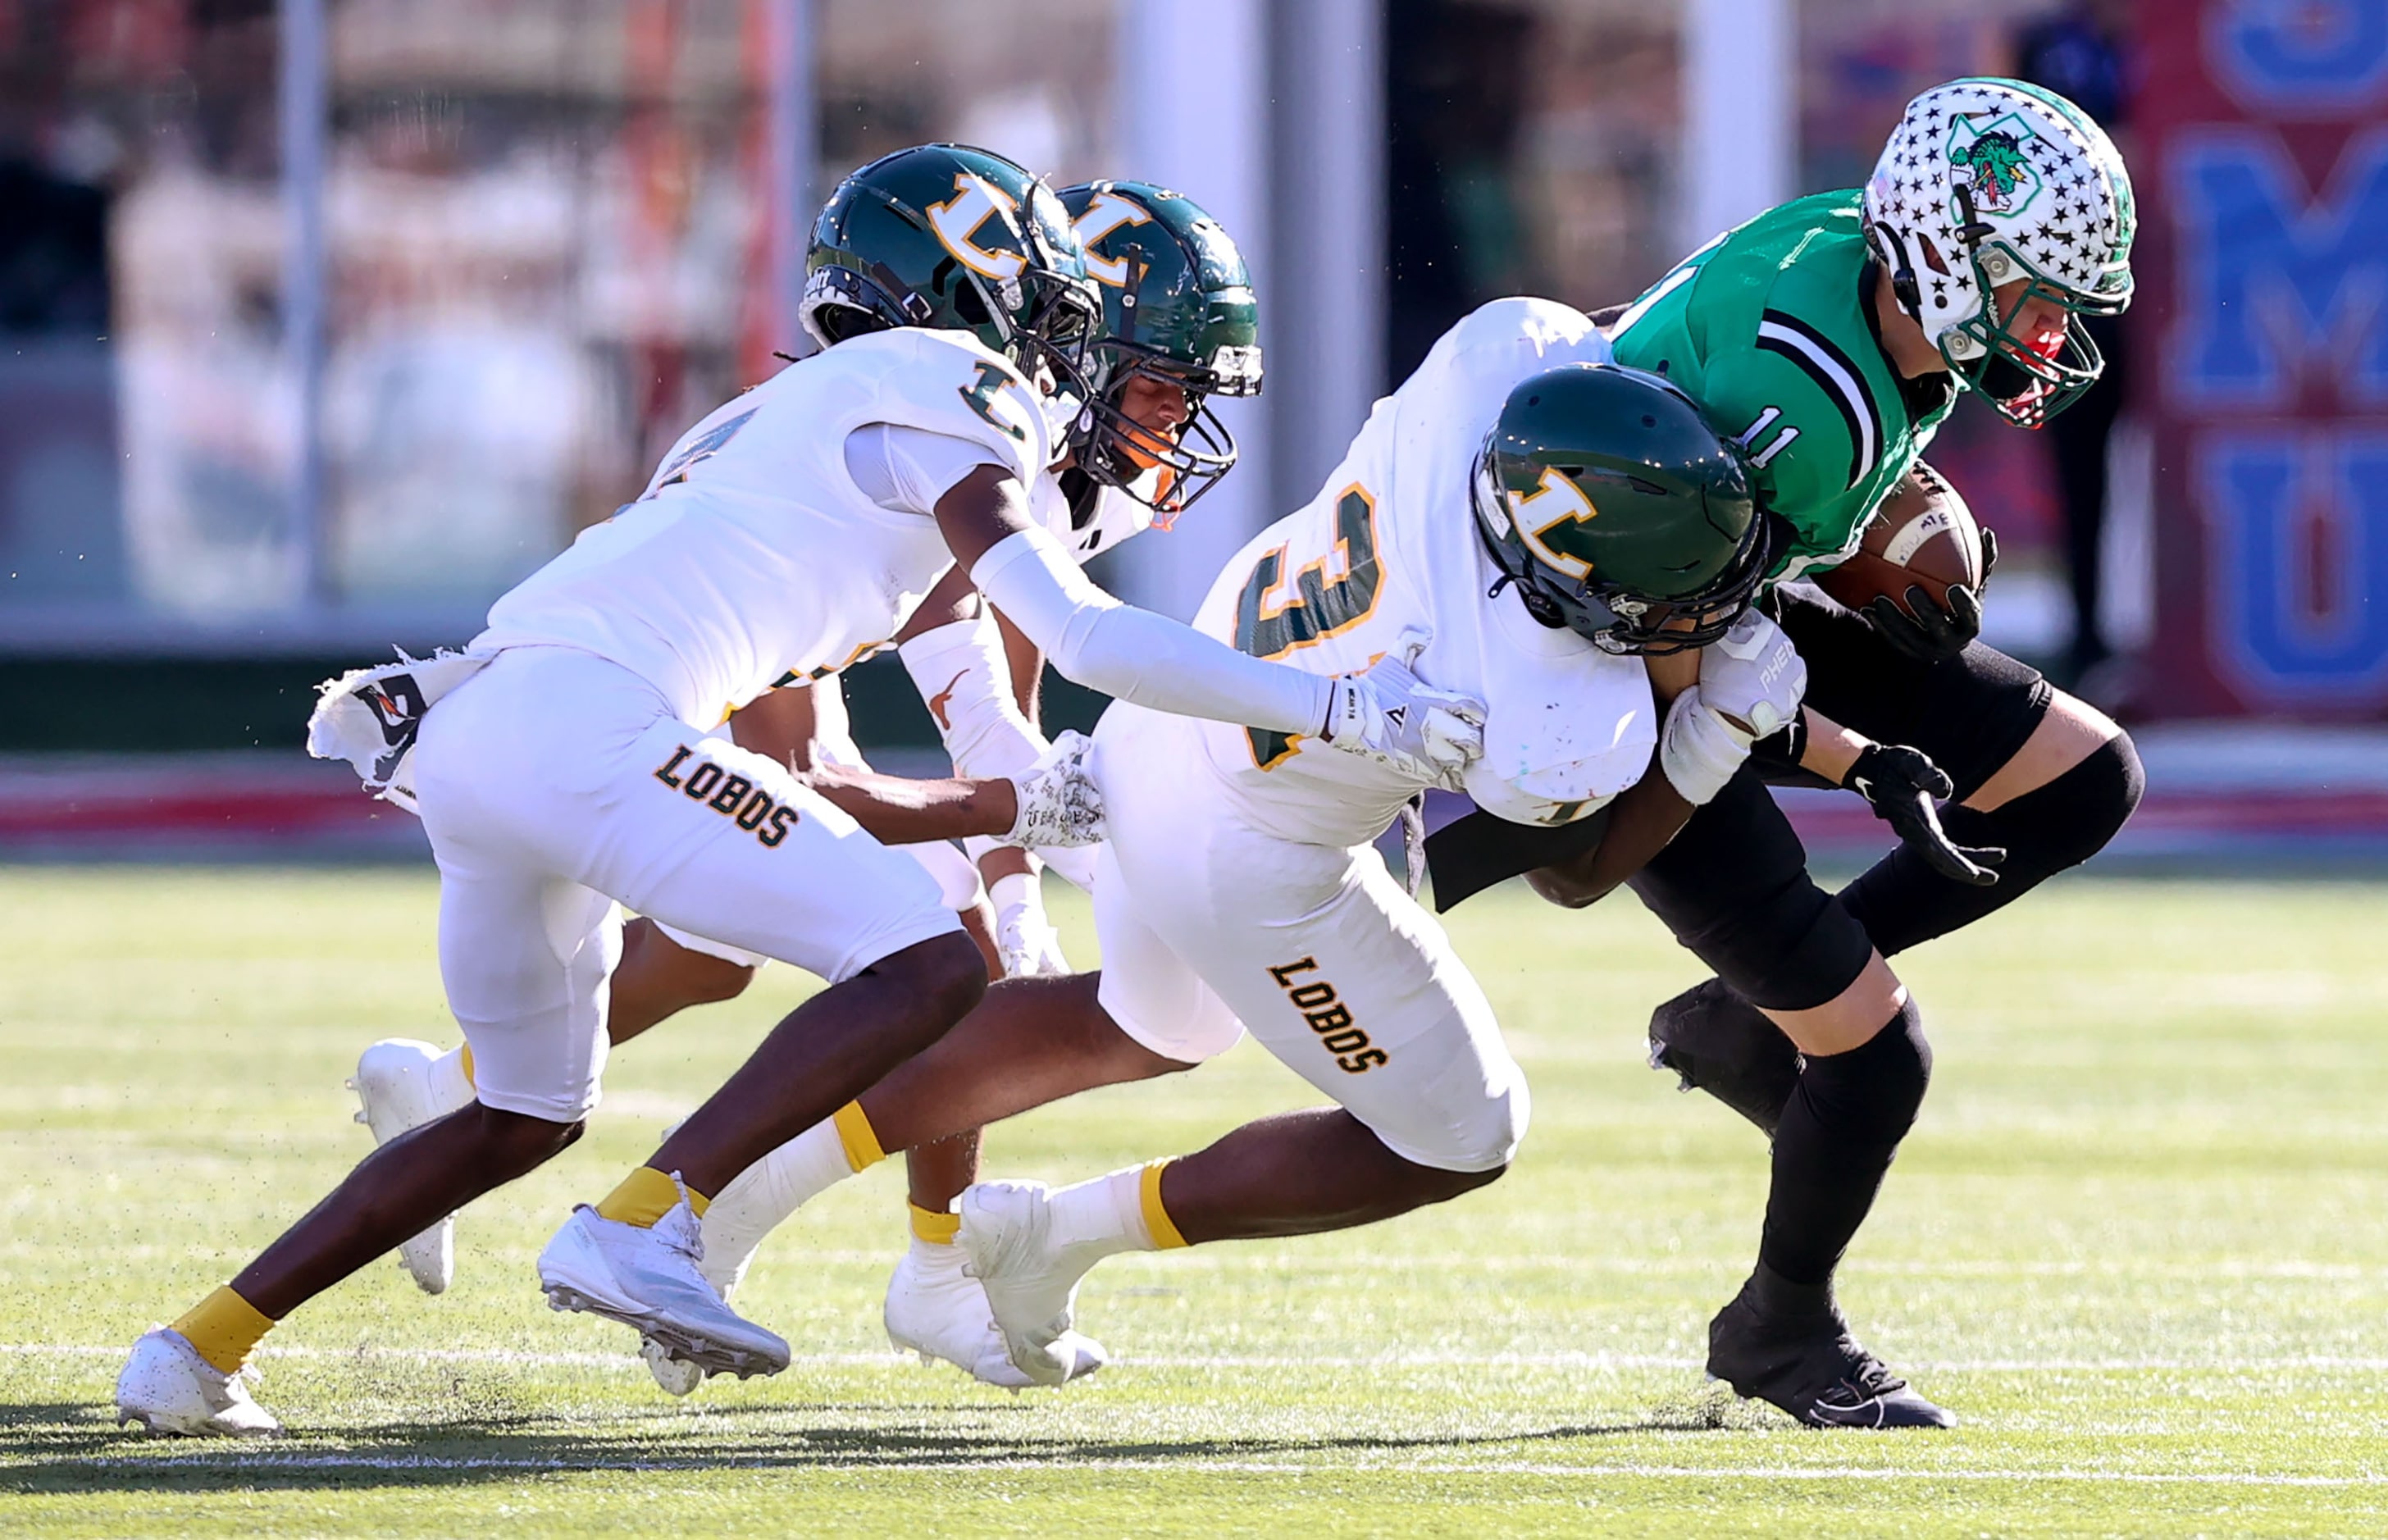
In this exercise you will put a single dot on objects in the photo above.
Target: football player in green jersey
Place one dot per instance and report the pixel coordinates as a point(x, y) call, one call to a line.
point(1830, 336)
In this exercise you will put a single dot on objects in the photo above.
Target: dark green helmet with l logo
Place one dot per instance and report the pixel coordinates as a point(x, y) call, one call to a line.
point(953, 239)
point(1177, 306)
point(1618, 512)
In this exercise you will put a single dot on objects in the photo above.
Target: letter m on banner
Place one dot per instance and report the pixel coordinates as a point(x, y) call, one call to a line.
point(2272, 282)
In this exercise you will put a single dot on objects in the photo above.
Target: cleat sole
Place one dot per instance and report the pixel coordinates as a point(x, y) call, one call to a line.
point(684, 1346)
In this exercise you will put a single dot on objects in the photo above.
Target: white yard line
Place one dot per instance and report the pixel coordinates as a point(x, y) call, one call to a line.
point(247, 1458)
point(513, 1357)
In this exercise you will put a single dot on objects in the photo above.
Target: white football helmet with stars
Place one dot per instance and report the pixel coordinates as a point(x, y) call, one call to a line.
point(1986, 182)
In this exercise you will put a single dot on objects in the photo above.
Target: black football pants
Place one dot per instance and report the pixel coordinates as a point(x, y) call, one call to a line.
point(1733, 884)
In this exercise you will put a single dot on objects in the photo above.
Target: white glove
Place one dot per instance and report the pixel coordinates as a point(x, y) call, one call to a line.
point(1386, 714)
point(1754, 675)
point(1698, 750)
point(1060, 803)
point(1075, 866)
point(1029, 945)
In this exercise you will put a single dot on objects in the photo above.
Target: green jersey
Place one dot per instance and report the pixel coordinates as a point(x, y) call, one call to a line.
point(1770, 328)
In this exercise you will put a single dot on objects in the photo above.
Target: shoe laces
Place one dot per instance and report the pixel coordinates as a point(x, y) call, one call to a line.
point(1868, 1379)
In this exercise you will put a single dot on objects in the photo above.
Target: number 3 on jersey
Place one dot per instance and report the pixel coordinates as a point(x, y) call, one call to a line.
point(1277, 613)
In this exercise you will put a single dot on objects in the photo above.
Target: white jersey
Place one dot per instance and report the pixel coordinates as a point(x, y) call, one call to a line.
point(1113, 516)
point(1390, 548)
point(753, 558)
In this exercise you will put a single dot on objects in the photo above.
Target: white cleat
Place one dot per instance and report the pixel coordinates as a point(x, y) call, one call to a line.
point(168, 1388)
point(393, 1081)
point(1032, 1285)
point(648, 1280)
point(937, 1309)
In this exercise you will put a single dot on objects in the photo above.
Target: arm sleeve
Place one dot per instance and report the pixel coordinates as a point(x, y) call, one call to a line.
point(906, 470)
point(1134, 654)
point(961, 674)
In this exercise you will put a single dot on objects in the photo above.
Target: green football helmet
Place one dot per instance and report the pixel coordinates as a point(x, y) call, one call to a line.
point(954, 238)
point(1177, 306)
point(1618, 512)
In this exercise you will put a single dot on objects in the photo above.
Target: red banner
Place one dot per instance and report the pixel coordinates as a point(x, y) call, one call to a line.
point(2262, 169)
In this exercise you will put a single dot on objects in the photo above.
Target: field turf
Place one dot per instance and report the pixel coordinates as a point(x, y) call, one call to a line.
point(2138, 1243)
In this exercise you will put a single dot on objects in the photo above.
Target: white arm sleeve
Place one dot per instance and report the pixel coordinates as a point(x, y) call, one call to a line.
point(962, 675)
point(1134, 654)
point(906, 470)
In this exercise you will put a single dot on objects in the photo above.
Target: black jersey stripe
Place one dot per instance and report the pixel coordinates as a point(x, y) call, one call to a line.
point(1838, 377)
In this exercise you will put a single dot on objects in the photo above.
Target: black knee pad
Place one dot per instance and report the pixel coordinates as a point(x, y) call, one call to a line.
point(1717, 1042)
point(2062, 823)
point(1903, 902)
point(1870, 1094)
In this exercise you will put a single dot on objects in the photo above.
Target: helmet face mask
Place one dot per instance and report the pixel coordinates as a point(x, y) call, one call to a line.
point(1178, 312)
point(1991, 354)
point(1989, 184)
point(1119, 450)
point(1649, 542)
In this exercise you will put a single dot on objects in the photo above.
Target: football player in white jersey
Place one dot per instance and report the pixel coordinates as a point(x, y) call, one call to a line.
point(1180, 327)
point(1596, 603)
point(570, 761)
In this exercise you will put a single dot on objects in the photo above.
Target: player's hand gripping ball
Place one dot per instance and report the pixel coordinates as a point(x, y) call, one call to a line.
point(1059, 804)
point(1920, 569)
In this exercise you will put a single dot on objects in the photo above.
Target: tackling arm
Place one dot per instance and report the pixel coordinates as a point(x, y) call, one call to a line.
point(893, 811)
point(1642, 819)
point(1092, 638)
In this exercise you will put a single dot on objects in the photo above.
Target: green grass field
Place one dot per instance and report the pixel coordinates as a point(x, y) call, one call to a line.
point(2137, 1244)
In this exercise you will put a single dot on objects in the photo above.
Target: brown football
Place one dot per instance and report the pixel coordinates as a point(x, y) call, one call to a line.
point(1923, 536)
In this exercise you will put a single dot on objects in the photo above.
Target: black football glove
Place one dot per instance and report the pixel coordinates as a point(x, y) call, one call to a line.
point(1902, 785)
point(1928, 632)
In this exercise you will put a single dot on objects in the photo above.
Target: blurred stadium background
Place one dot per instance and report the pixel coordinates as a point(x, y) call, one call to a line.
point(321, 322)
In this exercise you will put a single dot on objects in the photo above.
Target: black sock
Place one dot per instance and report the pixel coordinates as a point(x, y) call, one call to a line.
point(1836, 1138)
point(1903, 902)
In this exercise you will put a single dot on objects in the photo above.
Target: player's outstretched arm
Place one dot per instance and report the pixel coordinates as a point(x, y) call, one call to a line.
point(1153, 661)
point(891, 810)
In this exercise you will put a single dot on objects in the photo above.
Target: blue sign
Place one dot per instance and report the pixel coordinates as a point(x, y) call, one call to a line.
point(2297, 552)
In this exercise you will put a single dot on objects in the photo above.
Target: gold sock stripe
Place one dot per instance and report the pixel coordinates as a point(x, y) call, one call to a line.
point(225, 1329)
point(855, 1132)
point(1156, 1218)
point(467, 1063)
point(937, 1229)
point(645, 1196)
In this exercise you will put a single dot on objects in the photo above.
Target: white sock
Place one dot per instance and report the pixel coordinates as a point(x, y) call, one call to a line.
point(1100, 1219)
point(451, 1082)
point(759, 1199)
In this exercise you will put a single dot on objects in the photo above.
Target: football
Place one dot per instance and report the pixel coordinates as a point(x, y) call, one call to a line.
point(1923, 536)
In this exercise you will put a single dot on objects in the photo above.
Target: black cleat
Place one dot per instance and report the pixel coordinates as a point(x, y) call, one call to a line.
point(1720, 1043)
point(1789, 1346)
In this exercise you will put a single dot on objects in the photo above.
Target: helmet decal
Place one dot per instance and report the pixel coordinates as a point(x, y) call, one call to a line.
point(1988, 162)
point(1552, 518)
point(1106, 212)
point(975, 201)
